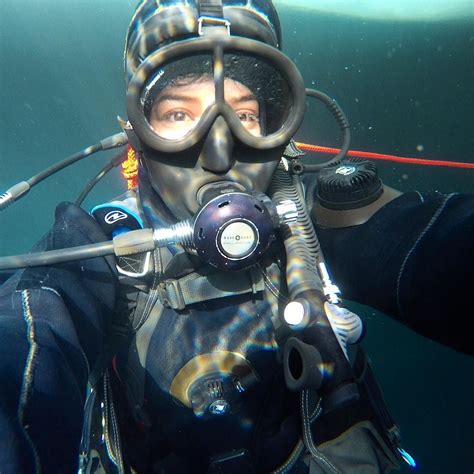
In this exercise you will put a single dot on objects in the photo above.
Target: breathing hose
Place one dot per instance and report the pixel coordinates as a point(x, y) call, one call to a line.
point(341, 120)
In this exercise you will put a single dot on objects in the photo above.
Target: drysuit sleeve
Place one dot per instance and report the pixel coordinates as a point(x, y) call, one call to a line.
point(53, 321)
point(412, 260)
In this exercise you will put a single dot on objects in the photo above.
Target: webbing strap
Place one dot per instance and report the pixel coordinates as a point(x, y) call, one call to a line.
point(195, 287)
point(211, 8)
point(211, 19)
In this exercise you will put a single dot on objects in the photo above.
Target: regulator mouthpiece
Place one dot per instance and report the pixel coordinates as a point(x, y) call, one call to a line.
point(232, 231)
point(213, 190)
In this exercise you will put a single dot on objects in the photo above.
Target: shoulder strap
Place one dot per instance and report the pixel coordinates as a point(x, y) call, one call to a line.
point(177, 293)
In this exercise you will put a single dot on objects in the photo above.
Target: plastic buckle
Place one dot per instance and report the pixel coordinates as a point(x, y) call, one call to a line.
point(204, 21)
point(171, 295)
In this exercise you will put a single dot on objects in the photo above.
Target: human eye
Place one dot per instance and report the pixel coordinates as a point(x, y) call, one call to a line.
point(248, 117)
point(175, 116)
point(250, 120)
point(172, 122)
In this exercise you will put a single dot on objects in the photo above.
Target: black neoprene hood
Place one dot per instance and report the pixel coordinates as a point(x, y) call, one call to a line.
point(157, 23)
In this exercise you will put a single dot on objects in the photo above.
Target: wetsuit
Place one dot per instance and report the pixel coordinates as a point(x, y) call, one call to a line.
point(412, 260)
point(55, 320)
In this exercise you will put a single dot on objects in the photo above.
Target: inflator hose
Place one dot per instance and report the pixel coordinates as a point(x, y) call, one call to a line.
point(303, 280)
point(303, 250)
point(302, 245)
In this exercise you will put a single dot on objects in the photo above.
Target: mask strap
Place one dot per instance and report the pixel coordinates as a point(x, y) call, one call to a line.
point(211, 8)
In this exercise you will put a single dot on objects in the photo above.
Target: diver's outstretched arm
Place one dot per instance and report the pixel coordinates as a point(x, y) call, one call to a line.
point(412, 260)
point(52, 324)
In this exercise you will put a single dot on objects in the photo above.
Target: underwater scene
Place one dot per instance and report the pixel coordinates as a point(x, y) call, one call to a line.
point(403, 73)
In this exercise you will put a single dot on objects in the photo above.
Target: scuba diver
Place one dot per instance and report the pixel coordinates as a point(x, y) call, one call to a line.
point(215, 340)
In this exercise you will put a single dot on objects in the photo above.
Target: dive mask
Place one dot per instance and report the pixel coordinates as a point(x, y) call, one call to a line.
point(257, 90)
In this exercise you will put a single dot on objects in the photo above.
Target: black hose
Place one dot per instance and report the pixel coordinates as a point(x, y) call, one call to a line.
point(57, 256)
point(20, 189)
point(113, 163)
point(302, 245)
point(90, 185)
point(63, 164)
point(344, 126)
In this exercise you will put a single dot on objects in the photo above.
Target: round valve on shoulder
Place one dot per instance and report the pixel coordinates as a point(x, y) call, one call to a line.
point(233, 230)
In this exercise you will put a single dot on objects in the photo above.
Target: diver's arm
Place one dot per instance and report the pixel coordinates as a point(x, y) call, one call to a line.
point(412, 260)
point(52, 325)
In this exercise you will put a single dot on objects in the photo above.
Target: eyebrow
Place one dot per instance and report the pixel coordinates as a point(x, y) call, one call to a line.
point(187, 98)
point(176, 98)
point(244, 98)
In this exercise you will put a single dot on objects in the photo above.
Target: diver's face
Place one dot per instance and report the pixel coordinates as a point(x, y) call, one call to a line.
point(174, 113)
point(179, 107)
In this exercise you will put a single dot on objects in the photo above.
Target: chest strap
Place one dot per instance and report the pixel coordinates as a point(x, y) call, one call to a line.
point(196, 287)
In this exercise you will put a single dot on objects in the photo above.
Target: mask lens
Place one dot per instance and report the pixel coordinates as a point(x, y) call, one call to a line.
point(179, 97)
point(264, 84)
point(244, 103)
point(175, 98)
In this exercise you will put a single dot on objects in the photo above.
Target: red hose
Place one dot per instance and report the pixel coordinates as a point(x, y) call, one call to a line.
point(380, 156)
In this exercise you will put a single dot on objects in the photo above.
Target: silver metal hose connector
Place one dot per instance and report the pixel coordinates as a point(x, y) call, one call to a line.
point(331, 291)
point(13, 193)
point(287, 211)
point(180, 233)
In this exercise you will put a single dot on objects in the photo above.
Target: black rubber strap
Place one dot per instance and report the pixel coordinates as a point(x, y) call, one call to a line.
point(211, 8)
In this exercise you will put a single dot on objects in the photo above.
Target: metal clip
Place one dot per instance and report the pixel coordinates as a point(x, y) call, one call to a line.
point(204, 21)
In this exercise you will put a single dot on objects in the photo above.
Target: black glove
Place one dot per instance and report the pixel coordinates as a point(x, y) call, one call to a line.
point(87, 287)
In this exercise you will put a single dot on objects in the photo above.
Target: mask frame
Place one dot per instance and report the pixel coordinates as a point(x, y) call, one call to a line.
point(217, 46)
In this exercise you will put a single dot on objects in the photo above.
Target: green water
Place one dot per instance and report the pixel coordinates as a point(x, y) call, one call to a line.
point(406, 88)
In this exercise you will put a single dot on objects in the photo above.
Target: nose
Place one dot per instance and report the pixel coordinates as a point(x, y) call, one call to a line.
point(216, 154)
